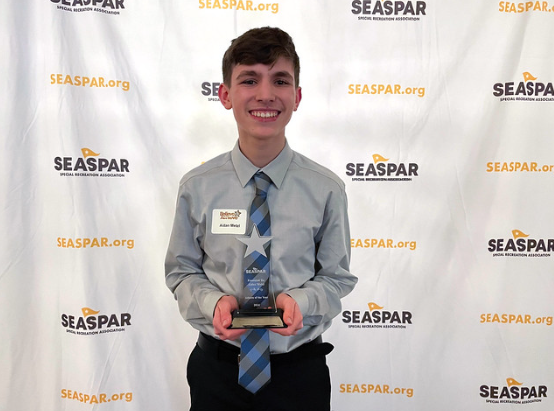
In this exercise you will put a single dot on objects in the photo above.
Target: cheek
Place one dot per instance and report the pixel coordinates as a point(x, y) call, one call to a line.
point(293, 102)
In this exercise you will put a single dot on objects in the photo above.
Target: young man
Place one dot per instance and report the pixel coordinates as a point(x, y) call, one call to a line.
point(215, 234)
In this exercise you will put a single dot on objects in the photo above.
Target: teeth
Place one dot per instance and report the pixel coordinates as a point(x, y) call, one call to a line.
point(264, 114)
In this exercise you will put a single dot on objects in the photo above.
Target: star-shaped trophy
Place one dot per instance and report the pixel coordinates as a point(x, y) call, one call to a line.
point(258, 309)
point(255, 242)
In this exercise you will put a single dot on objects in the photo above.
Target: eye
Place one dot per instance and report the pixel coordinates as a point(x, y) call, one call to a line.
point(248, 82)
point(281, 82)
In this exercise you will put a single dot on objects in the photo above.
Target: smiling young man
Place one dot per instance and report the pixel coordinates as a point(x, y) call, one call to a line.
point(308, 234)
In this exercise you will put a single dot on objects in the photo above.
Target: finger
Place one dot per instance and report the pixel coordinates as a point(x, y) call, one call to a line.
point(285, 332)
point(290, 313)
point(232, 334)
point(225, 319)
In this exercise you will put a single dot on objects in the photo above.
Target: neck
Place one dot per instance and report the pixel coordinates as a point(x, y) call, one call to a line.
point(261, 152)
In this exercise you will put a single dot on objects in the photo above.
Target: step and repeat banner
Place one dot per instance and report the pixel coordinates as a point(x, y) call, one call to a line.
point(438, 115)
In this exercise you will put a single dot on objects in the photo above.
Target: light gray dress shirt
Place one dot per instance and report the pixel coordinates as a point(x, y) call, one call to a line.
point(310, 248)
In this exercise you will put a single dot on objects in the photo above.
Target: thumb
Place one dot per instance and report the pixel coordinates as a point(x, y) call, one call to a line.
point(225, 321)
point(291, 308)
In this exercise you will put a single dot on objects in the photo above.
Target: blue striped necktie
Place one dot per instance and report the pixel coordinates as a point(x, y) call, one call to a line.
point(254, 367)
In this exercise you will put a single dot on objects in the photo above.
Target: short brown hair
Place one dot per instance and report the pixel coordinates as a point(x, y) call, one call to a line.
point(262, 45)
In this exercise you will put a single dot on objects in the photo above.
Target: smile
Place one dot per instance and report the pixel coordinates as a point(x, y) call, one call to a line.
point(265, 114)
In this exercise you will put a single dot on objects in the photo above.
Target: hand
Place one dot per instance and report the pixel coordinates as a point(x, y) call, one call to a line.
point(291, 315)
point(223, 318)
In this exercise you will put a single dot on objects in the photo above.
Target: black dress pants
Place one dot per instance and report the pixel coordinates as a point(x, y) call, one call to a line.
point(299, 384)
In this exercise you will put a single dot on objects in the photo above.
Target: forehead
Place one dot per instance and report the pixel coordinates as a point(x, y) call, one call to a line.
point(282, 66)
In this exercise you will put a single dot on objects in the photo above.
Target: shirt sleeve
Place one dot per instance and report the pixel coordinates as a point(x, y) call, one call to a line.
point(319, 298)
point(195, 294)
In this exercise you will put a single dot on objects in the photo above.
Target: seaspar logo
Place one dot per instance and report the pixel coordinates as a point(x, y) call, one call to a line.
point(112, 7)
point(385, 89)
point(86, 81)
point(521, 245)
point(350, 388)
point(505, 318)
point(382, 170)
point(518, 167)
point(376, 317)
point(89, 323)
point(102, 398)
point(513, 392)
point(94, 242)
point(382, 243)
point(525, 7)
point(526, 90)
point(238, 5)
point(91, 165)
point(210, 90)
point(376, 10)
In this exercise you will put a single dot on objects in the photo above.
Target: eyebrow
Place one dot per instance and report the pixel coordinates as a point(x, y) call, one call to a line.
point(247, 73)
point(284, 74)
point(253, 73)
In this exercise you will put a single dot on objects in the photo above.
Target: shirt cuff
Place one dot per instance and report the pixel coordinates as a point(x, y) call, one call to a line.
point(208, 307)
point(301, 299)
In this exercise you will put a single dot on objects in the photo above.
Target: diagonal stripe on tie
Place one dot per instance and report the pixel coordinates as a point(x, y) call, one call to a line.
point(262, 220)
point(255, 369)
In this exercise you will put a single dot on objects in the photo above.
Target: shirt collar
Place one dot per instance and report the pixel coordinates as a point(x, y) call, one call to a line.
point(276, 170)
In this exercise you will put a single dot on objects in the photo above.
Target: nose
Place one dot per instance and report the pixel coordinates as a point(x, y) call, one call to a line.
point(265, 91)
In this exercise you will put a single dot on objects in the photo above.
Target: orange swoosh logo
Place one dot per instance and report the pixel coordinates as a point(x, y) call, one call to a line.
point(373, 306)
point(512, 381)
point(87, 152)
point(379, 158)
point(528, 76)
point(519, 234)
point(88, 311)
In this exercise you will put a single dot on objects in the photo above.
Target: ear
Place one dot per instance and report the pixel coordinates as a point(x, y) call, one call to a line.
point(297, 98)
point(223, 94)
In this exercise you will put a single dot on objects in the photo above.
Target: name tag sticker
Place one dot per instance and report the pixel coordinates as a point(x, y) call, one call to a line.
point(229, 221)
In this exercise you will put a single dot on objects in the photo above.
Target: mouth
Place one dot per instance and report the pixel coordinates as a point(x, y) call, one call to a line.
point(265, 114)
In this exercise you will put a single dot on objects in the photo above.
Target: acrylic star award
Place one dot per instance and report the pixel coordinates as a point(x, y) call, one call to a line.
point(257, 311)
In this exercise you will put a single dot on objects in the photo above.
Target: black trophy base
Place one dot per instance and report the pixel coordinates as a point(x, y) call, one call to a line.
point(257, 318)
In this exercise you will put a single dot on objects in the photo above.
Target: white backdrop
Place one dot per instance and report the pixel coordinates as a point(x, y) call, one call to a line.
point(105, 104)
